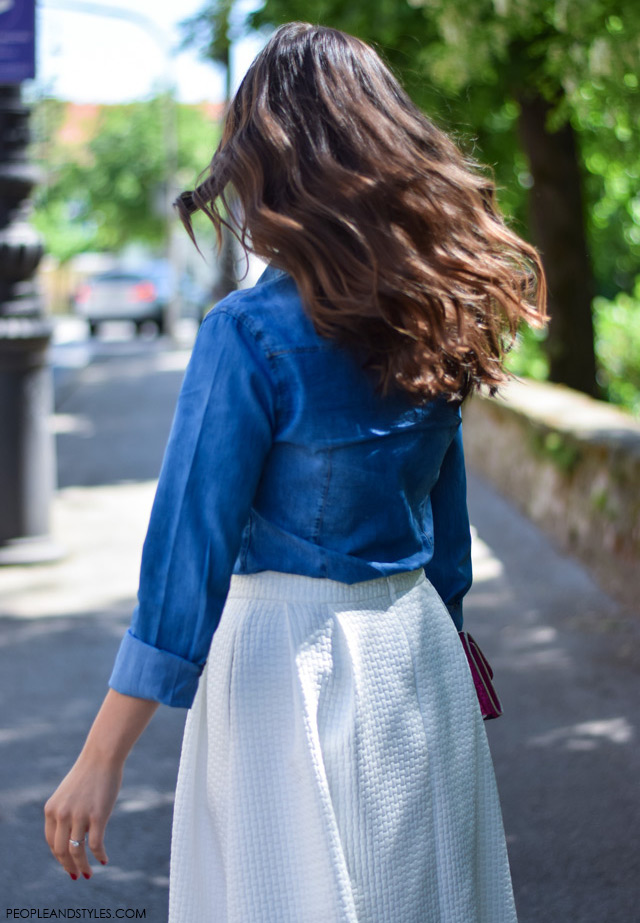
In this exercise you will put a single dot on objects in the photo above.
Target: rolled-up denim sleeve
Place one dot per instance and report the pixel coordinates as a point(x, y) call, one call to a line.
point(449, 570)
point(220, 436)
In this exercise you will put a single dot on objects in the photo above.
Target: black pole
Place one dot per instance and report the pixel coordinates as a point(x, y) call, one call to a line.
point(27, 461)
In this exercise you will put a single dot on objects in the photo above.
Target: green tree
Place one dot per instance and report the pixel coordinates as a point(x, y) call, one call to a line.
point(113, 190)
point(546, 92)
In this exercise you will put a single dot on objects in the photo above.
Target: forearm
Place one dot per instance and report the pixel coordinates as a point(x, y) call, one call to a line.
point(119, 723)
point(449, 570)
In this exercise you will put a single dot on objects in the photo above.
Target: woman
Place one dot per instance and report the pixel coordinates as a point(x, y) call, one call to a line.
point(335, 765)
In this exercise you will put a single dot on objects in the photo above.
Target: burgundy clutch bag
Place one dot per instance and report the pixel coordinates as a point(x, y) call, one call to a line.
point(482, 678)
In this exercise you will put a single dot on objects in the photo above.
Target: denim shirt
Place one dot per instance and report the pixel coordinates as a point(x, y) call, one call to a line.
point(283, 456)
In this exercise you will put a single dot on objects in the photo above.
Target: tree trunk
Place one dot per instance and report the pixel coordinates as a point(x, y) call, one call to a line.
point(558, 225)
point(227, 259)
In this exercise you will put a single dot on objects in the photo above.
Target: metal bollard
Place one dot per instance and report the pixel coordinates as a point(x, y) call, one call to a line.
point(26, 444)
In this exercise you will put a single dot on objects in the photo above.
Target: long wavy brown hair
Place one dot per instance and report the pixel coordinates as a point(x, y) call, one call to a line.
point(328, 170)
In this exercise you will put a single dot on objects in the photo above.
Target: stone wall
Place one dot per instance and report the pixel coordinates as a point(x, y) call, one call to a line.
point(572, 464)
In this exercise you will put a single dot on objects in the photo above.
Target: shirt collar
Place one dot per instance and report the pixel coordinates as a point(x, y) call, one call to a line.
point(270, 273)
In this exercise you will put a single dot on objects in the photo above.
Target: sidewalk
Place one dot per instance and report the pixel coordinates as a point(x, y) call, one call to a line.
point(565, 656)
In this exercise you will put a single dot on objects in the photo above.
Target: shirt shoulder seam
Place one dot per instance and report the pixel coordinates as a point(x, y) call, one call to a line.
point(256, 336)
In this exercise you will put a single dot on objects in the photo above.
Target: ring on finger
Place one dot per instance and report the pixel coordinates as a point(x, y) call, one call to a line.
point(77, 843)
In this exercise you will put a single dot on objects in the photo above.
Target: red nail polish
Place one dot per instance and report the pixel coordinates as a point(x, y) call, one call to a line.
point(84, 875)
point(73, 876)
point(103, 862)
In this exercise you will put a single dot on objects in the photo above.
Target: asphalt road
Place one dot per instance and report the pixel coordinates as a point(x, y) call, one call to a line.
point(566, 752)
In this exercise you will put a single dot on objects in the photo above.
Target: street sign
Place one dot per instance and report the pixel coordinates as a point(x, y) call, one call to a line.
point(17, 40)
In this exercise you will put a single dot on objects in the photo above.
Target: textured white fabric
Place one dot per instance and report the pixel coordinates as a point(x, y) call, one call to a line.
point(335, 766)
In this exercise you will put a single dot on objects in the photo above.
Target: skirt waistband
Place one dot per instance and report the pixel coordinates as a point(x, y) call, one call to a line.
point(271, 584)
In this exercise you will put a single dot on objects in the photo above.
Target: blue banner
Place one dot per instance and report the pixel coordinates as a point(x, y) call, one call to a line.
point(17, 40)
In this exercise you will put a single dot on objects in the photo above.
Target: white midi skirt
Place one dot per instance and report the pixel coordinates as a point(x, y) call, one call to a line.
point(335, 766)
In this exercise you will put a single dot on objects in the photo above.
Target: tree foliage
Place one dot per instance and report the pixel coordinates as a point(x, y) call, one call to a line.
point(113, 189)
point(475, 66)
point(208, 31)
point(465, 62)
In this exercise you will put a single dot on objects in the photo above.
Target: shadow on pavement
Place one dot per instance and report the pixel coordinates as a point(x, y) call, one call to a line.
point(566, 750)
point(113, 421)
point(55, 673)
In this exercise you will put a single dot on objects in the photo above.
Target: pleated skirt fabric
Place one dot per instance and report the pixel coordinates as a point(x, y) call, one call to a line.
point(335, 765)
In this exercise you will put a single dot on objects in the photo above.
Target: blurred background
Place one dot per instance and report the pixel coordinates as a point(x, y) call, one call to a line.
point(126, 113)
point(107, 112)
point(127, 106)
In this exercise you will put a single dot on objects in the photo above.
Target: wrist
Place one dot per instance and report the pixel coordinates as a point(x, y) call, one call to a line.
point(101, 754)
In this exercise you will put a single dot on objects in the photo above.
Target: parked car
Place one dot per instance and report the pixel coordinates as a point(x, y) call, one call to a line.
point(123, 294)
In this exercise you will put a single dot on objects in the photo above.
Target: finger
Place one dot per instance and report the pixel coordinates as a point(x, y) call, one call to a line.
point(79, 855)
point(53, 817)
point(57, 827)
point(96, 841)
point(49, 829)
point(61, 848)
